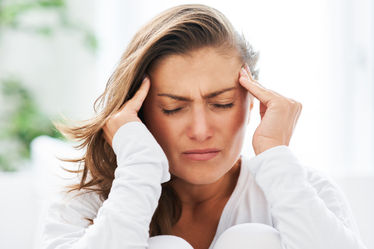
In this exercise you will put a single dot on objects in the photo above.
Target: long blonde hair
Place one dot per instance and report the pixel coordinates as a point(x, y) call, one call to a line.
point(177, 30)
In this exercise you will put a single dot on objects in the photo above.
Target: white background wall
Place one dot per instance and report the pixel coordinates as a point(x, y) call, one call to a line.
point(317, 52)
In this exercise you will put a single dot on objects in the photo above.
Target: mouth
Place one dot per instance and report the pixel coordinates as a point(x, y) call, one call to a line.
point(201, 155)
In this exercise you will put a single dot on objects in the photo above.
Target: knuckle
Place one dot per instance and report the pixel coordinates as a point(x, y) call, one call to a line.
point(283, 102)
point(295, 104)
point(292, 101)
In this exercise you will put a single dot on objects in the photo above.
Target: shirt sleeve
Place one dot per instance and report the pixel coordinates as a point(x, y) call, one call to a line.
point(307, 216)
point(123, 219)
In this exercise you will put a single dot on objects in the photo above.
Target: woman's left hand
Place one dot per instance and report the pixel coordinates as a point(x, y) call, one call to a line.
point(279, 114)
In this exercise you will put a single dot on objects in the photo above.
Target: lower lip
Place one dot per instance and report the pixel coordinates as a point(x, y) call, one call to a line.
point(202, 156)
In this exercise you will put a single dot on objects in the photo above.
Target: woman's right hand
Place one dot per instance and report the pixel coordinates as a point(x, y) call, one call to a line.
point(127, 113)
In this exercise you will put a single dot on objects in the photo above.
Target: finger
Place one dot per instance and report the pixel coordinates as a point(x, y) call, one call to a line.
point(263, 109)
point(261, 93)
point(298, 114)
point(248, 72)
point(137, 100)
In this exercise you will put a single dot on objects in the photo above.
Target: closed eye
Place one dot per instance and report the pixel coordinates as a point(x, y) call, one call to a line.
point(170, 112)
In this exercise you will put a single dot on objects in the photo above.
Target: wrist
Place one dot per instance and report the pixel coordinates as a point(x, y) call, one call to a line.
point(262, 148)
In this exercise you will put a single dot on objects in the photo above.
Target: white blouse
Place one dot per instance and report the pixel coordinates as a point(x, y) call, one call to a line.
point(274, 188)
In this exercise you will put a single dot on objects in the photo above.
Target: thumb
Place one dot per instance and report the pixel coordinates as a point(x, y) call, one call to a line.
point(137, 100)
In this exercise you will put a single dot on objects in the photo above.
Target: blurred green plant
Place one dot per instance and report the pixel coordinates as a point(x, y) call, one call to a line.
point(21, 120)
point(13, 12)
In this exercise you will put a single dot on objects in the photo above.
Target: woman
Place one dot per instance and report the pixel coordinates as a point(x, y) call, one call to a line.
point(163, 169)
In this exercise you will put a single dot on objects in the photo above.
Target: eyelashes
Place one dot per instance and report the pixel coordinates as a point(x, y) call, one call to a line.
point(171, 112)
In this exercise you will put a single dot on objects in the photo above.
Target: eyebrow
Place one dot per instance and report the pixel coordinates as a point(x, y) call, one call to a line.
point(206, 96)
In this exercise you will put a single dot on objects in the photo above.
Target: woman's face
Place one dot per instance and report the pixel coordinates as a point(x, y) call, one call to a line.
point(182, 113)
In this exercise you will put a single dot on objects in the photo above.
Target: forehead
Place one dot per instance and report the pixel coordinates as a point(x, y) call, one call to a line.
point(200, 71)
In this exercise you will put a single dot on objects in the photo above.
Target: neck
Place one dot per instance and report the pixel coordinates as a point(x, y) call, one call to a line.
point(193, 196)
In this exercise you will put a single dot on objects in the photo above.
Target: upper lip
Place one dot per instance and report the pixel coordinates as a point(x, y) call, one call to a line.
point(201, 151)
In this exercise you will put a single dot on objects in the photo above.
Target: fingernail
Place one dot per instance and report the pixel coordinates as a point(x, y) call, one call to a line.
point(247, 67)
point(243, 71)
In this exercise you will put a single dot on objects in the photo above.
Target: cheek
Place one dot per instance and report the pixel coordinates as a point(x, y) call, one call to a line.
point(239, 113)
point(243, 110)
point(155, 124)
point(163, 130)
point(235, 123)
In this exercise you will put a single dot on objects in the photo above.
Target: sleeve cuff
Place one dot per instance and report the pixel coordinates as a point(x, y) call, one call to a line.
point(133, 137)
point(281, 151)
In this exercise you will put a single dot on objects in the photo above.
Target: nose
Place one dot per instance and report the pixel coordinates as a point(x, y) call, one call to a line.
point(200, 128)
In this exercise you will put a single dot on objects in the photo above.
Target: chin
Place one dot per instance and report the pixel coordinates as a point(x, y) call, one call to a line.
point(199, 181)
point(198, 177)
